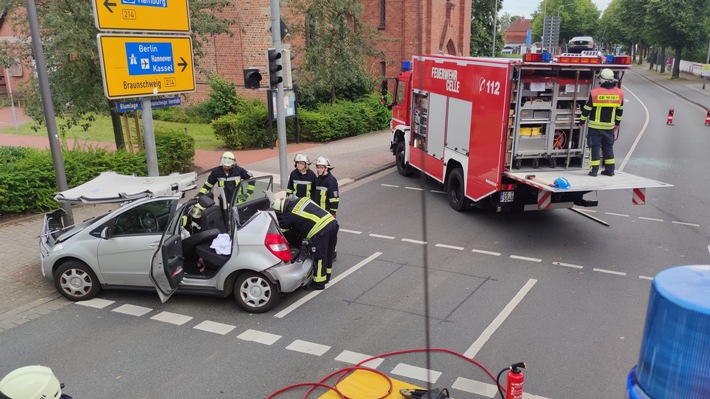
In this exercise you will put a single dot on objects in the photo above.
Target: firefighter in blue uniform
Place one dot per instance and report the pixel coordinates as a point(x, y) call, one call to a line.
point(302, 178)
point(326, 193)
point(604, 109)
point(316, 225)
point(227, 175)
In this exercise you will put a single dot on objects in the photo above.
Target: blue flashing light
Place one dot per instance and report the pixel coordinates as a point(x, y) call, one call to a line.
point(546, 57)
point(406, 66)
point(610, 58)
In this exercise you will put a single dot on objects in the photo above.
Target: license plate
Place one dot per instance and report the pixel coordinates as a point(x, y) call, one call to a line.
point(507, 196)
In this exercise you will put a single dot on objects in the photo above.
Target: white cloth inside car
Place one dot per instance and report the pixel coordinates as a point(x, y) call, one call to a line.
point(222, 244)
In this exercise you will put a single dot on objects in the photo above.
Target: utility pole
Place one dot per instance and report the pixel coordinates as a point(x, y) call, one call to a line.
point(280, 111)
point(495, 20)
point(54, 147)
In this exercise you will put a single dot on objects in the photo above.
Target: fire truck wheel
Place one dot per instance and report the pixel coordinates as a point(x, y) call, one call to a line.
point(402, 167)
point(456, 191)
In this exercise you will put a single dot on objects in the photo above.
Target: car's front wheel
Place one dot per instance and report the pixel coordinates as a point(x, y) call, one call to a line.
point(76, 281)
point(255, 293)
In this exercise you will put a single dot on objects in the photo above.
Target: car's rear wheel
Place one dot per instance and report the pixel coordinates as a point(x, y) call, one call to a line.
point(76, 281)
point(255, 293)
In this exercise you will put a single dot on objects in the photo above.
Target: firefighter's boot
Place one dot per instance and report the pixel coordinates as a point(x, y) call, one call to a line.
point(594, 167)
point(608, 168)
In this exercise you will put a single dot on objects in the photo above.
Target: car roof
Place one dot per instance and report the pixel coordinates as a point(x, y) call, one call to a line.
point(111, 187)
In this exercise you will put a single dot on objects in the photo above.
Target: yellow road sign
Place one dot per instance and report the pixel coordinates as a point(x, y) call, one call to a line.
point(142, 15)
point(136, 66)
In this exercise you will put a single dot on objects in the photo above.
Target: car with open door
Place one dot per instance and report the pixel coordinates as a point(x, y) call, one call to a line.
point(152, 241)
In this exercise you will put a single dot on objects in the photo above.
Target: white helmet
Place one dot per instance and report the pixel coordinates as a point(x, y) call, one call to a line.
point(301, 158)
point(30, 382)
point(227, 159)
point(606, 75)
point(280, 204)
point(323, 161)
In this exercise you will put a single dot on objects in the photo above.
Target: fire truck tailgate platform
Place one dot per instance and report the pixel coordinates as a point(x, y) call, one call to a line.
point(579, 180)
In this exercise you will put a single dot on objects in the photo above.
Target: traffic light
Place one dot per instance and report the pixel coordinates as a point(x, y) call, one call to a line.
point(252, 78)
point(288, 69)
point(275, 74)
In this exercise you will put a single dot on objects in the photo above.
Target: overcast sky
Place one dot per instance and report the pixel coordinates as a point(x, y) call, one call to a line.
point(526, 7)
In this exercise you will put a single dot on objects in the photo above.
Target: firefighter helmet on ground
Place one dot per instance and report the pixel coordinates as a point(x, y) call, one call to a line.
point(30, 382)
point(606, 75)
point(227, 159)
point(323, 161)
point(301, 158)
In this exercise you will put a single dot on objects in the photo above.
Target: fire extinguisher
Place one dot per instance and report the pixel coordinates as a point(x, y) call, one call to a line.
point(515, 380)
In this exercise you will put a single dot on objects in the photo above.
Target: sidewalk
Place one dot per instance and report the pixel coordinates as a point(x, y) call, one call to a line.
point(687, 86)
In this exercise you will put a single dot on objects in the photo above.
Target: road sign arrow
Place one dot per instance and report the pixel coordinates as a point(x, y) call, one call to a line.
point(108, 6)
point(183, 64)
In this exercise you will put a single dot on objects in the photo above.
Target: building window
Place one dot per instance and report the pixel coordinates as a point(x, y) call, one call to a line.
point(383, 68)
point(382, 15)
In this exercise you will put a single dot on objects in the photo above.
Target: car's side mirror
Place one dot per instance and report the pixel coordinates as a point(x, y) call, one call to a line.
point(106, 233)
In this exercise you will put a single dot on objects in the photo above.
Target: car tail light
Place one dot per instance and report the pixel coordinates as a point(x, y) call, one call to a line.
point(276, 243)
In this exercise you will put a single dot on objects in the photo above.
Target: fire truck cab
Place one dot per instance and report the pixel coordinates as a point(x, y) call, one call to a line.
point(502, 133)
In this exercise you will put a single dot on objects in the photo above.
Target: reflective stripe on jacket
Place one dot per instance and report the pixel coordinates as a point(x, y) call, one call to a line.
point(604, 108)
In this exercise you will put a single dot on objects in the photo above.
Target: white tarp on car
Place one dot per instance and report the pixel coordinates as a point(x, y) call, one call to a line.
point(113, 187)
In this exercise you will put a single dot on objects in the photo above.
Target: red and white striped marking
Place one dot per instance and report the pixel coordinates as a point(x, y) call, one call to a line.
point(544, 199)
point(639, 196)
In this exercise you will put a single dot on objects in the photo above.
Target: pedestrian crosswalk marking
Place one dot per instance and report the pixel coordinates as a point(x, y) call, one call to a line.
point(132, 310)
point(310, 348)
point(172, 318)
point(214, 327)
point(259, 337)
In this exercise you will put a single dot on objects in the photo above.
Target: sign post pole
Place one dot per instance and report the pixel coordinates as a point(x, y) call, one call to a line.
point(151, 154)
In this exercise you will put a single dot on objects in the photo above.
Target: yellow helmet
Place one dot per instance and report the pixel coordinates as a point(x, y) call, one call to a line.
point(30, 382)
point(227, 159)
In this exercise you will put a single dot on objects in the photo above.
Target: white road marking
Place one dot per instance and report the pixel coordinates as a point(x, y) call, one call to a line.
point(310, 348)
point(438, 191)
point(507, 310)
point(389, 185)
point(646, 278)
point(259, 337)
point(651, 219)
point(609, 271)
point(640, 134)
point(685, 224)
point(418, 373)
point(475, 387)
point(708, 248)
point(525, 258)
point(381, 236)
point(214, 327)
point(531, 396)
point(414, 241)
point(568, 265)
point(449, 247)
point(349, 231)
point(355, 358)
point(132, 310)
point(480, 251)
point(616, 214)
point(414, 188)
point(172, 318)
point(335, 279)
point(97, 303)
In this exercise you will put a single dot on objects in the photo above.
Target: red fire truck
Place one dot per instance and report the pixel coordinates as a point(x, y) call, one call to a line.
point(502, 133)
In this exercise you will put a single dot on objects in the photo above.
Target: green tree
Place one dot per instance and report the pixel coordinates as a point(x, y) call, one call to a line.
point(69, 42)
point(577, 18)
point(679, 24)
point(337, 46)
point(482, 28)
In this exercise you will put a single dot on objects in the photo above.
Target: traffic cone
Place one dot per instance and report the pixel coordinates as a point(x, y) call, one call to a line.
point(669, 121)
point(707, 118)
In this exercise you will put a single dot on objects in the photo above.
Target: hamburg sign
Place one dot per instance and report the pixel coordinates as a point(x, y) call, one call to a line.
point(136, 66)
point(142, 15)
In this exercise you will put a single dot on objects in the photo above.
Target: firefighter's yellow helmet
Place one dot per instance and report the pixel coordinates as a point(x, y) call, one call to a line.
point(30, 382)
point(606, 75)
point(227, 159)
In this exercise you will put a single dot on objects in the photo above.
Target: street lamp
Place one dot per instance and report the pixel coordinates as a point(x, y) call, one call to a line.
point(558, 18)
point(495, 19)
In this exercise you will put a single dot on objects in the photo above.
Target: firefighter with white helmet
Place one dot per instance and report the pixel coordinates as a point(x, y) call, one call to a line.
point(302, 178)
point(227, 175)
point(603, 109)
point(303, 217)
point(31, 382)
point(326, 193)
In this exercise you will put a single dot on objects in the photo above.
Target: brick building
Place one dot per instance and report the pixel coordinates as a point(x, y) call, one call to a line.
point(445, 28)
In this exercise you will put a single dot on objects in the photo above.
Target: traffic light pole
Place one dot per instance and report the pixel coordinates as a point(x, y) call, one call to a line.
point(280, 110)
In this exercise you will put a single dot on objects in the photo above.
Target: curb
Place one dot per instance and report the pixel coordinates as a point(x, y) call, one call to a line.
point(672, 91)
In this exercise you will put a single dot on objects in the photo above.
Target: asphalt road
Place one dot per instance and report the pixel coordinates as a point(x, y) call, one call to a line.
point(559, 291)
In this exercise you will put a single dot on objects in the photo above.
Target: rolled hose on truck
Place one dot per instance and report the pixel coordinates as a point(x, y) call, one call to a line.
point(674, 361)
